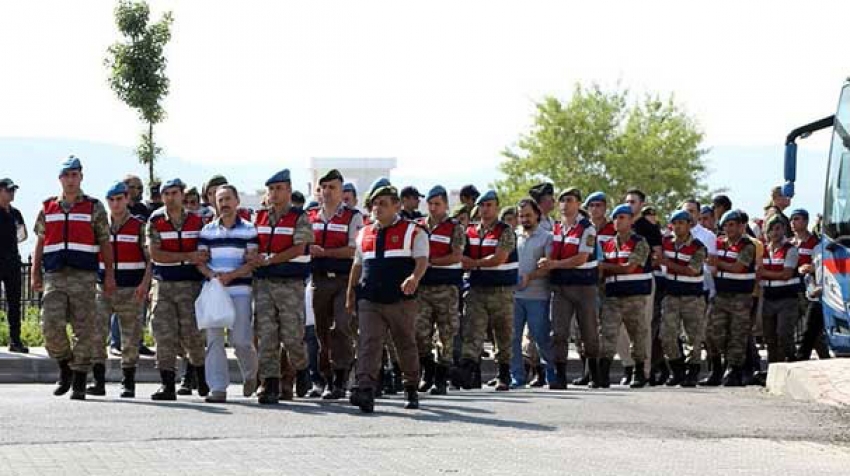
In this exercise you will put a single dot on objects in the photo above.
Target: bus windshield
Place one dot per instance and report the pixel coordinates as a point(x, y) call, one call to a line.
point(836, 216)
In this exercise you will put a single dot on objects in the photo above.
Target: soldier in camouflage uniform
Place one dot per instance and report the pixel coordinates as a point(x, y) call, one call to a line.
point(283, 264)
point(683, 304)
point(438, 292)
point(729, 326)
point(71, 229)
point(628, 285)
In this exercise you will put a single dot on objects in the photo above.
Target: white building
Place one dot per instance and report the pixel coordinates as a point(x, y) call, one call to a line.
point(359, 171)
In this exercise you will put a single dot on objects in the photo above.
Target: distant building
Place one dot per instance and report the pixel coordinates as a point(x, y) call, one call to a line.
point(359, 171)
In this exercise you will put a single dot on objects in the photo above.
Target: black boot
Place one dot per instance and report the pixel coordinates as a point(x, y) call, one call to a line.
point(65, 378)
point(201, 380)
point(692, 376)
point(270, 395)
point(440, 386)
point(411, 398)
point(98, 388)
point(539, 377)
point(638, 376)
point(128, 383)
point(78, 385)
point(503, 380)
point(302, 383)
point(715, 378)
point(428, 368)
point(476, 375)
point(340, 382)
point(678, 375)
point(604, 380)
point(627, 375)
point(398, 386)
point(734, 377)
point(560, 382)
point(585, 374)
point(461, 374)
point(188, 382)
point(363, 398)
point(593, 371)
point(166, 391)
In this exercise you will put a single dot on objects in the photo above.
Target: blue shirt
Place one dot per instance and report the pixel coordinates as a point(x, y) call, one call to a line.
point(228, 247)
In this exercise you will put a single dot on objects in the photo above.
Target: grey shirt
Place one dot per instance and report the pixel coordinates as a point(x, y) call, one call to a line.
point(530, 248)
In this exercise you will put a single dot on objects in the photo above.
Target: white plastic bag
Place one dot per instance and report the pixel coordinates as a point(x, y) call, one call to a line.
point(214, 308)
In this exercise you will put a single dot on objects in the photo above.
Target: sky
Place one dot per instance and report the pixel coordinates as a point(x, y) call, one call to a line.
point(442, 86)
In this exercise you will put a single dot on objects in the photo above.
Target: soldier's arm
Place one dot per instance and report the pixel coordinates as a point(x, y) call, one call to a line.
point(458, 243)
point(353, 279)
point(788, 269)
point(302, 238)
point(347, 252)
point(745, 258)
point(693, 268)
point(160, 256)
point(35, 272)
point(636, 260)
point(100, 223)
point(507, 242)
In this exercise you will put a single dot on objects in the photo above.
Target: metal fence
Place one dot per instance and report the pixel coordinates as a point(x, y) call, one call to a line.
point(29, 298)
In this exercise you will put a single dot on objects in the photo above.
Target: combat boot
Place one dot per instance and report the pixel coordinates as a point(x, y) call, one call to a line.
point(269, 395)
point(428, 368)
point(337, 390)
point(503, 380)
point(461, 374)
point(440, 385)
point(476, 375)
point(638, 376)
point(539, 377)
point(593, 371)
point(166, 391)
point(627, 375)
point(363, 398)
point(560, 382)
point(201, 380)
point(285, 384)
point(398, 386)
point(714, 378)
point(188, 383)
point(585, 373)
point(411, 398)
point(78, 385)
point(692, 376)
point(734, 377)
point(678, 374)
point(604, 373)
point(302, 383)
point(66, 375)
point(128, 383)
point(98, 388)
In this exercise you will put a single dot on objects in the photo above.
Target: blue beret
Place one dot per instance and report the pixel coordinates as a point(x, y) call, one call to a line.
point(624, 209)
point(349, 187)
point(680, 215)
point(437, 191)
point(488, 195)
point(800, 211)
point(71, 163)
point(378, 183)
point(706, 209)
point(595, 197)
point(175, 182)
point(282, 176)
point(734, 215)
point(117, 188)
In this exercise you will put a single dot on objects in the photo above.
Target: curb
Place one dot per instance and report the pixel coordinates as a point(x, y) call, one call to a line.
point(821, 381)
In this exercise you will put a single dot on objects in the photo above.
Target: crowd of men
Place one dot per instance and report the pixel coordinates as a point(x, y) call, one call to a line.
point(406, 300)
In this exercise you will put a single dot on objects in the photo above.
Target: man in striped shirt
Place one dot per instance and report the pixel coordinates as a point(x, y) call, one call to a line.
point(232, 244)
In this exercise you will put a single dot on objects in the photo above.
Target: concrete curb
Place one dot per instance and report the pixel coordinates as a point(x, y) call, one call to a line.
point(822, 381)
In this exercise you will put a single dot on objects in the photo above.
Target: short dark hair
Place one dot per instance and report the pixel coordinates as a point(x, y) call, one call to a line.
point(723, 201)
point(635, 191)
point(530, 202)
point(470, 191)
point(692, 201)
point(232, 189)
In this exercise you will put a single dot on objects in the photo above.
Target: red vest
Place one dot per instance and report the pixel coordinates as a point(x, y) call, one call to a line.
point(479, 247)
point(69, 238)
point(330, 235)
point(774, 260)
point(678, 284)
point(387, 260)
point(173, 240)
point(276, 238)
point(636, 282)
point(738, 283)
point(440, 245)
point(606, 233)
point(128, 256)
point(806, 250)
point(565, 244)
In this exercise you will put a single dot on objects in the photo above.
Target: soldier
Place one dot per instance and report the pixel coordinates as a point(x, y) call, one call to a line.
point(335, 228)
point(808, 246)
point(410, 197)
point(12, 232)
point(132, 271)
point(729, 326)
point(574, 275)
point(491, 258)
point(392, 257)
point(683, 304)
point(781, 285)
point(628, 286)
point(282, 267)
point(71, 229)
point(438, 291)
point(173, 245)
point(349, 195)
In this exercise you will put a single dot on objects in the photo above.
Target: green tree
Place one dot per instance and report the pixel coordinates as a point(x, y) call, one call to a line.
point(602, 140)
point(137, 70)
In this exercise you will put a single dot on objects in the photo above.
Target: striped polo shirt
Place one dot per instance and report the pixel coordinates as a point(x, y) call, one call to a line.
point(227, 247)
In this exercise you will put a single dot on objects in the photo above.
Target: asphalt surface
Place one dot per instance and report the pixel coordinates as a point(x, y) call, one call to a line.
point(578, 431)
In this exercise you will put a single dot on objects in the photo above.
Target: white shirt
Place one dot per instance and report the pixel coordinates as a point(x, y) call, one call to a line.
point(709, 239)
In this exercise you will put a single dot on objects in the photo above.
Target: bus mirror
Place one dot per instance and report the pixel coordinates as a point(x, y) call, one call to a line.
point(791, 162)
point(788, 190)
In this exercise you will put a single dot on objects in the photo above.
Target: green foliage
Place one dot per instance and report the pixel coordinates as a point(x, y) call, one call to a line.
point(30, 329)
point(602, 140)
point(137, 69)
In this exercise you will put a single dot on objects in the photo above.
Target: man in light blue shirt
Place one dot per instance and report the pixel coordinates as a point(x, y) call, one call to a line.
point(232, 244)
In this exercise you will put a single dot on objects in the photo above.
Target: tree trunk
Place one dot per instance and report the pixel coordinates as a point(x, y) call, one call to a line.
point(151, 153)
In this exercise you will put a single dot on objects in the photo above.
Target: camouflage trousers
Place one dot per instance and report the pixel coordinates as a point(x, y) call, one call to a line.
point(123, 304)
point(69, 297)
point(683, 313)
point(729, 327)
point(629, 311)
point(484, 304)
point(437, 308)
point(279, 320)
point(173, 323)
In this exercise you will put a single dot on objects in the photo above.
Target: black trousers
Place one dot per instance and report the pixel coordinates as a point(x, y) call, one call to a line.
point(10, 276)
point(813, 335)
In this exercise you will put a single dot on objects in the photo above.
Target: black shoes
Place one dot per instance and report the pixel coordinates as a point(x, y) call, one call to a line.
point(411, 398)
point(364, 398)
point(715, 378)
point(128, 384)
point(638, 376)
point(189, 382)
point(269, 395)
point(166, 391)
point(302, 383)
point(78, 385)
point(503, 380)
point(98, 388)
point(65, 378)
point(429, 367)
point(337, 390)
point(560, 382)
point(19, 348)
point(627, 375)
point(440, 385)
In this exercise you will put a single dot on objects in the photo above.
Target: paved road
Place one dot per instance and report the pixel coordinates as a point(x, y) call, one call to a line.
point(648, 432)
